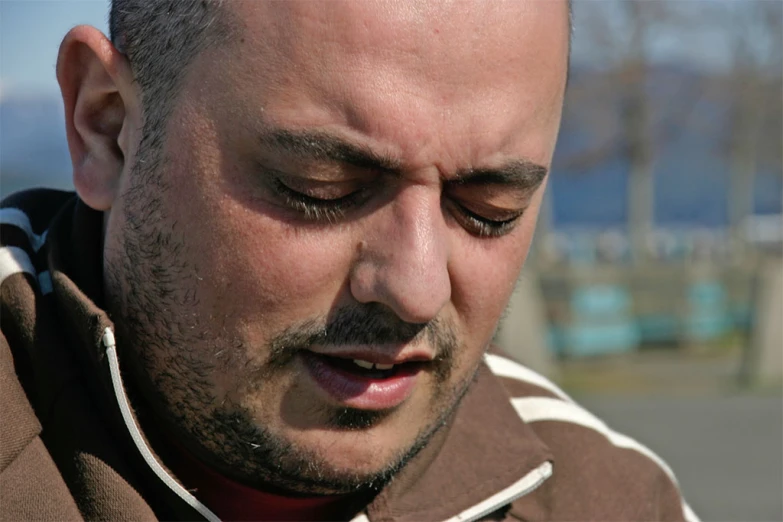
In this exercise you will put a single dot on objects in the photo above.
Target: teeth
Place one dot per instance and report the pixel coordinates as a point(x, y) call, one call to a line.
point(364, 364)
point(367, 365)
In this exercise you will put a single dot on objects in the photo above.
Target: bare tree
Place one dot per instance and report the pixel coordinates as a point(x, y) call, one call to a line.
point(635, 114)
point(630, 117)
point(617, 105)
point(754, 100)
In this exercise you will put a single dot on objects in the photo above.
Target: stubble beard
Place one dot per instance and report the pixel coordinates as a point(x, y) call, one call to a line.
point(151, 291)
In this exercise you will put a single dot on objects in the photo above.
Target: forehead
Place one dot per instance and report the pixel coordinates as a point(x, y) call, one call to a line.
point(388, 68)
point(418, 31)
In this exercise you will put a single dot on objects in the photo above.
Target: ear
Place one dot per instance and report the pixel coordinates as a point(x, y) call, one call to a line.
point(101, 113)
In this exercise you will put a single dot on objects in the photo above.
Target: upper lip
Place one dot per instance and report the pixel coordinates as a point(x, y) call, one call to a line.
point(375, 355)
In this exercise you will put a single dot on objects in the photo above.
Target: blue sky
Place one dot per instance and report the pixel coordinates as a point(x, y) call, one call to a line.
point(30, 35)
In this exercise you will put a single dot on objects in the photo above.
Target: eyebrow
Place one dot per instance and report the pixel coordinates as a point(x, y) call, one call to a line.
point(322, 146)
point(520, 174)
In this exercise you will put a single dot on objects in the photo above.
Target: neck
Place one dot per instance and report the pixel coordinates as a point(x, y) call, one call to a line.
point(231, 500)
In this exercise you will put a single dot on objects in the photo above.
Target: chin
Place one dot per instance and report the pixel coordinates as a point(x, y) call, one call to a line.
point(361, 452)
point(340, 462)
point(305, 444)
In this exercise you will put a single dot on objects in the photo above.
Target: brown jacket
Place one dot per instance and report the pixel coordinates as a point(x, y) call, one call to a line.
point(71, 446)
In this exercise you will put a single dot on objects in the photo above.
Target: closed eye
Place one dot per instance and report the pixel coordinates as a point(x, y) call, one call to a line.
point(482, 226)
point(312, 208)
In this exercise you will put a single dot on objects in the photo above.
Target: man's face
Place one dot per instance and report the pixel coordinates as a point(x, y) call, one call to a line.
point(343, 184)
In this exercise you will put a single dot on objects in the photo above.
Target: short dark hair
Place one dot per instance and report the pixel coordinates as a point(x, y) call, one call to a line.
point(160, 38)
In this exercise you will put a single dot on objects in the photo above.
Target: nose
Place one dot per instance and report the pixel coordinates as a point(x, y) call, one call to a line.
point(403, 262)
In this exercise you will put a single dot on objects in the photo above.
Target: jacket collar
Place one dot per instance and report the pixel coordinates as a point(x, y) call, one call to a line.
point(480, 454)
point(485, 450)
point(74, 258)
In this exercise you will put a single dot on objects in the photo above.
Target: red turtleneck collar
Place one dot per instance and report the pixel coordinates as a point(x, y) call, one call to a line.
point(232, 501)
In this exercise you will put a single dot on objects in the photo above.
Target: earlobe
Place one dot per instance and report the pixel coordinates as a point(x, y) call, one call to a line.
point(97, 88)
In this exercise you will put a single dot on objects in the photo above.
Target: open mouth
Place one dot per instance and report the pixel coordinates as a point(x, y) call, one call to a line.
point(368, 369)
point(363, 384)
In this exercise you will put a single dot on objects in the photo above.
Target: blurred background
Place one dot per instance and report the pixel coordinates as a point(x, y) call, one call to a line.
point(654, 290)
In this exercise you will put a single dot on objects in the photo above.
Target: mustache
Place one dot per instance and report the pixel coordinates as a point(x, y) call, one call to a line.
point(371, 323)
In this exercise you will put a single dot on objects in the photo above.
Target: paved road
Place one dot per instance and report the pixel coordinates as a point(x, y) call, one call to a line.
point(726, 451)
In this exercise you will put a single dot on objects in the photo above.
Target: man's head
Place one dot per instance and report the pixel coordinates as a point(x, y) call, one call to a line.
point(331, 185)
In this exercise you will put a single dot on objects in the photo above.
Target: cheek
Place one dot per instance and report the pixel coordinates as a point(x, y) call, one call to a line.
point(484, 275)
point(251, 268)
point(264, 269)
point(482, 283)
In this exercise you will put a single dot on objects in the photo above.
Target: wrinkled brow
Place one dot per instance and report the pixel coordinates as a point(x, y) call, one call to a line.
point(517, 174)
point(520, 174)
point(322, 146)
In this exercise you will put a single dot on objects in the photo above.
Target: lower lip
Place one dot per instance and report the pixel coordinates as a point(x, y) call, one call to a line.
point(356, 391)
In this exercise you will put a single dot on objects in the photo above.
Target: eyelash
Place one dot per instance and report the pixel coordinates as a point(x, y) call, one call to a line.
point(315, 209)
point(489, 228)
point(332, 210)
